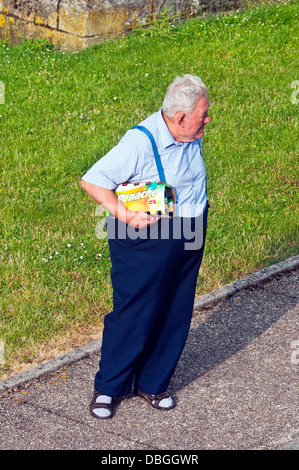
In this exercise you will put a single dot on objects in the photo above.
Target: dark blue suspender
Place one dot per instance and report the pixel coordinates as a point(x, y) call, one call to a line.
point(156, 153)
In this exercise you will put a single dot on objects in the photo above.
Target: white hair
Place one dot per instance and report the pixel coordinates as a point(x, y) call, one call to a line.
point(183, 95)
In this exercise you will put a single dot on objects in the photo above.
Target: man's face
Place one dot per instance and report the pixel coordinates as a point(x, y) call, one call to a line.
point(193, 124)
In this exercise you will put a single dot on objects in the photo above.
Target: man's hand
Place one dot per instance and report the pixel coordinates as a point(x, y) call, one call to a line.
point(140, 219)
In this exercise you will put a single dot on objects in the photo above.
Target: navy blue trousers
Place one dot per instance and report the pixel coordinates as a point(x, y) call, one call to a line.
point(154, 280)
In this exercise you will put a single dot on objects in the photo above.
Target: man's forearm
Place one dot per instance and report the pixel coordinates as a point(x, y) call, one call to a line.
point(107, 199)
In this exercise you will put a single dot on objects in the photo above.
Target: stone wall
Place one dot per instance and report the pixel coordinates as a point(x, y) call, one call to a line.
point(74, 24)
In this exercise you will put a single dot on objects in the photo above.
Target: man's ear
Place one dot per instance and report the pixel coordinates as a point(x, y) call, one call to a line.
point(180, 119)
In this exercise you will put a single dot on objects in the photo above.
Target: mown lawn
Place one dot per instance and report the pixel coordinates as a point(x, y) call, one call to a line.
point(63, 111)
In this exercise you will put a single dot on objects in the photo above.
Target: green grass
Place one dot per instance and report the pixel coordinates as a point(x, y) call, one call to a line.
point(63, 111)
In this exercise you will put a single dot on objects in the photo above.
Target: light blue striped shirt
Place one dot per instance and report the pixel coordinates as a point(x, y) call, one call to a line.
point(132, 160)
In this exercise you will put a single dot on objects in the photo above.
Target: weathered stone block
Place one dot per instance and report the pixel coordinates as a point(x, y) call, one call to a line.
point(74, 24)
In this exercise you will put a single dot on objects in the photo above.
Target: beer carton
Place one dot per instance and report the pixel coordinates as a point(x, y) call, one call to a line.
point(153, 198)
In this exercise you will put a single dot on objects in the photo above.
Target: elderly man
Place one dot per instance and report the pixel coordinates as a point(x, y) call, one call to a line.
point(153, 277)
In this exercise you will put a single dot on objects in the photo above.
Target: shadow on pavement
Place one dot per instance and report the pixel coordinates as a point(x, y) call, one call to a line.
point(230, 327)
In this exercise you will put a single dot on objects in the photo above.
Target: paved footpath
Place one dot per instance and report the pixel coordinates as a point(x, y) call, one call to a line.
point(236, 385)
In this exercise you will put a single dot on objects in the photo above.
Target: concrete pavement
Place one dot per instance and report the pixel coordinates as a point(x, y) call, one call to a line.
point(236, 385)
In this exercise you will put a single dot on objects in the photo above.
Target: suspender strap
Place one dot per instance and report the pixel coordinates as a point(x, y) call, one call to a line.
point(156, 153)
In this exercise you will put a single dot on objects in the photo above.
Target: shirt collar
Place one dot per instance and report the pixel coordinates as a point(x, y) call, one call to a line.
point(166, 136)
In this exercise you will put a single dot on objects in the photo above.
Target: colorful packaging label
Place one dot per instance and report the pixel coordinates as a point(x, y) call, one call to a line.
point(154, 198)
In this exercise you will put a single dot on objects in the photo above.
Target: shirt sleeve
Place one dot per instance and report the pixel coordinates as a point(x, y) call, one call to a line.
point(117, 166)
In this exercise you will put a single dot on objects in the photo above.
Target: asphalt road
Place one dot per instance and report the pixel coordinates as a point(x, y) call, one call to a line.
point(236, 386)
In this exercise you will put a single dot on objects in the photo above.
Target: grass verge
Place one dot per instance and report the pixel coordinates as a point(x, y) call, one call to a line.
point(63, 111)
